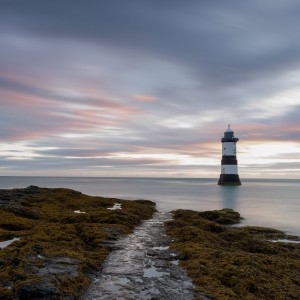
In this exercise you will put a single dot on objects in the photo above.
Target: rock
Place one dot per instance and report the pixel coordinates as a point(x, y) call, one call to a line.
point(62, 266)
point(42, 290)
point(24, 212)
point(164, 254)
point(225, 216)
point(36, 266)
point(32, 188)
point(142, 267)
point(47, 287)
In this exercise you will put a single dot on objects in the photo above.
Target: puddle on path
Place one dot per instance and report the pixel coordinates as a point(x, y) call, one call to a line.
point(143, 267)
point(153, 272)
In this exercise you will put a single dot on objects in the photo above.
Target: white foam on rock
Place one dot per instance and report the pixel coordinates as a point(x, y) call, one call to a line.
point(285, 241)
point(160, 248)
point(115, 207)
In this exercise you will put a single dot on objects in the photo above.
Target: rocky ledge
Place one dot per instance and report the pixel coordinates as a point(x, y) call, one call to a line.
point(142, 266)
point(227, 262)
point(61, 244)
point(53, 240)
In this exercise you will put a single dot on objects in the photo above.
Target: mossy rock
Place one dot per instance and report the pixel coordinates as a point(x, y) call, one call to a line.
point(233, 263)
point(224, 216)
point(45, 221)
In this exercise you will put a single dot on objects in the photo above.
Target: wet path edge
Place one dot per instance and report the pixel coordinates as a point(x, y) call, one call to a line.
point(142, 266)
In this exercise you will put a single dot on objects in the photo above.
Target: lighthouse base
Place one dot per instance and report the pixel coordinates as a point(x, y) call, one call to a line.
point(229, 179)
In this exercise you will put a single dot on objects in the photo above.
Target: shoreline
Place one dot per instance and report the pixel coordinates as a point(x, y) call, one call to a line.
point(65, 236)
point(227, 262)
point(260, 202)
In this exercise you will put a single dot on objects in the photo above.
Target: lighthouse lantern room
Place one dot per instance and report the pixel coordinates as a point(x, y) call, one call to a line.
point(229, 167)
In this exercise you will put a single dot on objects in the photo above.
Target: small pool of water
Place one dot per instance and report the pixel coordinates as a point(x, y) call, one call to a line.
point(153, 272)
point(8, 242)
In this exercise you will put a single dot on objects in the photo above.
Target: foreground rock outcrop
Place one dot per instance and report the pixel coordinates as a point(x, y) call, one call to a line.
point(64, 237)
point(233, 263)
point(54, 242)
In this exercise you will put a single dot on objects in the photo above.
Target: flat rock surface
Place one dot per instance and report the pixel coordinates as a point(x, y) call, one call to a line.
point(142, 267)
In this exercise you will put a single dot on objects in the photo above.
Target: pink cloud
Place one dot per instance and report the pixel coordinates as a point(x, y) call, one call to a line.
point(114, 107)
point(144, 98)
point(16, 99)
point(32, 111)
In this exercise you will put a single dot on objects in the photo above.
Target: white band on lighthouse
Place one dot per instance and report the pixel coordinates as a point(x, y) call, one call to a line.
point(229, 169)
point(229, 148)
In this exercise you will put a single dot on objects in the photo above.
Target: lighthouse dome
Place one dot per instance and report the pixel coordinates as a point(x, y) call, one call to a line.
point(228, 133)
point(228, 129)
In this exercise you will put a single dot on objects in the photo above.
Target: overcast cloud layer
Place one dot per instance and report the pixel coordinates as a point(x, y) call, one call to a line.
point(146, 88)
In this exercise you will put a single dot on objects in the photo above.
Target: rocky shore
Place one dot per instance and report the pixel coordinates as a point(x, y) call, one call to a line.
point(142, 266)
point(60, 239)
point(61, 244)
point(235, 263)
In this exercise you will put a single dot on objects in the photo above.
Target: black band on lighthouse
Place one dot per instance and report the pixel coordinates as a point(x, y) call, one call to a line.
point(229, 160)
point(229, 179)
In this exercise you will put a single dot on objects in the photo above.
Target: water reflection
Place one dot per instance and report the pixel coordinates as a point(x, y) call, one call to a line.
point(229, 195)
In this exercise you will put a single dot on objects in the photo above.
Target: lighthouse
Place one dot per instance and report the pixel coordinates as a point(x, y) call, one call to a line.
point(229, 167)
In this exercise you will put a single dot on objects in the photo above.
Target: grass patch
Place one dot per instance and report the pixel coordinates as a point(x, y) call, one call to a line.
point(235, 263)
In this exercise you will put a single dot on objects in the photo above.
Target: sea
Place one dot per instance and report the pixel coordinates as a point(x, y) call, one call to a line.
point(271, 203)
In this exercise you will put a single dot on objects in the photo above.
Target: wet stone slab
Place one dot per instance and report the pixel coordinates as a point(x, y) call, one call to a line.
point(142, 267)
point(129, 262)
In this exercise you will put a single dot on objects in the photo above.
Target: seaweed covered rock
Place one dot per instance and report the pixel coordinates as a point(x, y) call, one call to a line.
point(62, 239)
point(233, 263)
point(226, 216)
point(37, 290)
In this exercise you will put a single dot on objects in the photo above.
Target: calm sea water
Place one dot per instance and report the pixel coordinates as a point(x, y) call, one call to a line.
point(270, 203)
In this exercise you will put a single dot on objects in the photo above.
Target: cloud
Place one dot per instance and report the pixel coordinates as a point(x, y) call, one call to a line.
point(212, 38)
point(144, 98)
point(147, 79)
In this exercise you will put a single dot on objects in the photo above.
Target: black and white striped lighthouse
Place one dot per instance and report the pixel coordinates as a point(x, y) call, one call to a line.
point(229, 167)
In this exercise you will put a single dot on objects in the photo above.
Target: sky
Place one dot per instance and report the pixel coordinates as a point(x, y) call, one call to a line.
point(147, 87)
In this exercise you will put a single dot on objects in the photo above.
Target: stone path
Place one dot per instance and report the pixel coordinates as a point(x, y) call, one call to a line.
point(142, 267)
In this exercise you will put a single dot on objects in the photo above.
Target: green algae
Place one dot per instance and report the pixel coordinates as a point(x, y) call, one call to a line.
point(48, 228)
point(235, 263)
